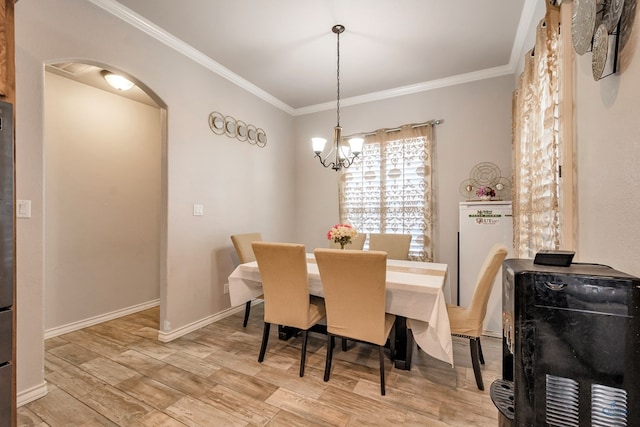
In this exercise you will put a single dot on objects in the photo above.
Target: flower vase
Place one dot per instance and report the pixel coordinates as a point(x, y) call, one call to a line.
point(485, 197)
point(341, 245)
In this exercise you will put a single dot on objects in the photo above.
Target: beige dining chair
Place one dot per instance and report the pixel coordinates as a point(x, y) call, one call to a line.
point(283, 269)
point(356, 244)
point(354, 284)
point(242, 245)
point(395, 245)
point(468, 322)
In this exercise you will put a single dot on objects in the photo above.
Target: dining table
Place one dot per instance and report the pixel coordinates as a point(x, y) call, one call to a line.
point(414, 293)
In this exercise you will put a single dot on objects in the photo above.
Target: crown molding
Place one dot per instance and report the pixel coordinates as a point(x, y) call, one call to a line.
point(526, 16)
point(149, 28)
point(408, 90)
point(144, 25)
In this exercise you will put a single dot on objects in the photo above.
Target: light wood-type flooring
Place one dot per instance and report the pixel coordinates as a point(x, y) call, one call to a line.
point(118, 374)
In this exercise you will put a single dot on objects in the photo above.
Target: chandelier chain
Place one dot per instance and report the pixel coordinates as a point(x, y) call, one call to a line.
point(338, 80)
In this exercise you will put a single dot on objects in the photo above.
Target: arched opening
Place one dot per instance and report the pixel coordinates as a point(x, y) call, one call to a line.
point(105, 198)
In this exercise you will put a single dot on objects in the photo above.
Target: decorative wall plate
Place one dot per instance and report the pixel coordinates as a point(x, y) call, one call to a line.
point(216, 123)
point(626, 22)
point(583, 22)
point(612, 14)
point(261, 138)
point(230, 127)
point(241, 128)
point(251, 134)
point(600, 51)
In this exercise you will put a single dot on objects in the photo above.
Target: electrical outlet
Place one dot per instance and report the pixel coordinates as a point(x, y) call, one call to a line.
point(226, 288)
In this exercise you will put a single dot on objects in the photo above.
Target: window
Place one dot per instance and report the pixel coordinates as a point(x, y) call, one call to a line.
point(388, 188)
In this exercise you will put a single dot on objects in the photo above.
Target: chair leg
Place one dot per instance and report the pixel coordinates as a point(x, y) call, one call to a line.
point(247, 309)
point(265, 338)
point(480, 351)
point(303, 355)
point(475, 361)
point(392, 342)
point(327, 365)
point(344, 344)
point(381, 351)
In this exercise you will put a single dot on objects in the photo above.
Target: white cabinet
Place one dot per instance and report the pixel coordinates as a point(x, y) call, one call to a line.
point(482, 224)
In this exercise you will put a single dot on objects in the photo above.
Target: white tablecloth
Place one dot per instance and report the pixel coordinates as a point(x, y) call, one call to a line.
point(414, 290)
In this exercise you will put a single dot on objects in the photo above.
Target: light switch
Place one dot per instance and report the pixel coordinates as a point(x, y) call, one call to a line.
point(198, 210)
point(23, 208)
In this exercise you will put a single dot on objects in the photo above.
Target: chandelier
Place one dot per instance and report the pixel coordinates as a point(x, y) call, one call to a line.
point(342, 153)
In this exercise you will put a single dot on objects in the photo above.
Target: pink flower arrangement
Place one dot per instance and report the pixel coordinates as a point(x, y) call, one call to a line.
point(342, 233)
point(486, 192)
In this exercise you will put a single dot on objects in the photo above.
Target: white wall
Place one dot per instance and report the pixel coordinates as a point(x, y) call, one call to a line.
point(242, 187)
point(476, 128)
point(102, 202)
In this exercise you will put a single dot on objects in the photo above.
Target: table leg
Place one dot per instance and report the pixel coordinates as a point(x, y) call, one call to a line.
point(286, 332)
point(404, 344)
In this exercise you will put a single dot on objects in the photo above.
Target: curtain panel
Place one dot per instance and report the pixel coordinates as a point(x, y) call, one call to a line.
point(536, 144)
point(389, 189)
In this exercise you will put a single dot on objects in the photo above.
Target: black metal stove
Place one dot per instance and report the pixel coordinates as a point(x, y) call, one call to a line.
point(571, 346)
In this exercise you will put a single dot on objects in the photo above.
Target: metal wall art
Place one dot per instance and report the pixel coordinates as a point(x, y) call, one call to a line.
point(227, 125)
point(487, 175)
point(599, 26)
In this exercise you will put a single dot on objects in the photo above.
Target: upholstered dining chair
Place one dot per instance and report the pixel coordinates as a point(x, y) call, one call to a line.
point(354, 284)
point(242, 245)
point(395, 245)
point(283, 269)
point(467, 322)
point(356, 244)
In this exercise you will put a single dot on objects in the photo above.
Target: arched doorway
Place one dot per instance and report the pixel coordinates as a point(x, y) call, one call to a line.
point(105, 198)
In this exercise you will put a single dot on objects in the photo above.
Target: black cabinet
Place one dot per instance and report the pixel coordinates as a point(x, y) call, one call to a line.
point(7, 267)
point(571, 345)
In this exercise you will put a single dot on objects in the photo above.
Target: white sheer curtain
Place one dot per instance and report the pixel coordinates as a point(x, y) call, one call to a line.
point(388, 189)
point(537, 142)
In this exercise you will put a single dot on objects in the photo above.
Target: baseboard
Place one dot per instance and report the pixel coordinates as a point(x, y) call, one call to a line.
point(32, 394)
point(184, 330)
point(492, 334)
point(65, 329)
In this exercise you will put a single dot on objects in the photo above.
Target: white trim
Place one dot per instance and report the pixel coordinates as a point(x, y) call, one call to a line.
point(32, 394)
point(64, 329)
point(186, 329)
point(410, 89)
point(139, 22)
point(521, 35)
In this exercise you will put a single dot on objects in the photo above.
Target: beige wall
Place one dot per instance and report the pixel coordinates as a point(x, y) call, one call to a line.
point(281, 190)
point(102, 202)
point(476, 128)
point(607, 154)
point(607, 140)
point(242, 187)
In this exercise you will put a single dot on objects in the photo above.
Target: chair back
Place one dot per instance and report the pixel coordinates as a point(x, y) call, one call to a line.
point(395, 245)
point(283, 269)
point(242, 245)
point(354, 284)
point(357, 243)
point(477, 309)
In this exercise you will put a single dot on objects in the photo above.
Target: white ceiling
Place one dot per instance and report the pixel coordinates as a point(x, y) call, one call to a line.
point(285, 51)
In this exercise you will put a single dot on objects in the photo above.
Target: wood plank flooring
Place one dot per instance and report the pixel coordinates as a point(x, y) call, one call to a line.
point(118, 374)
